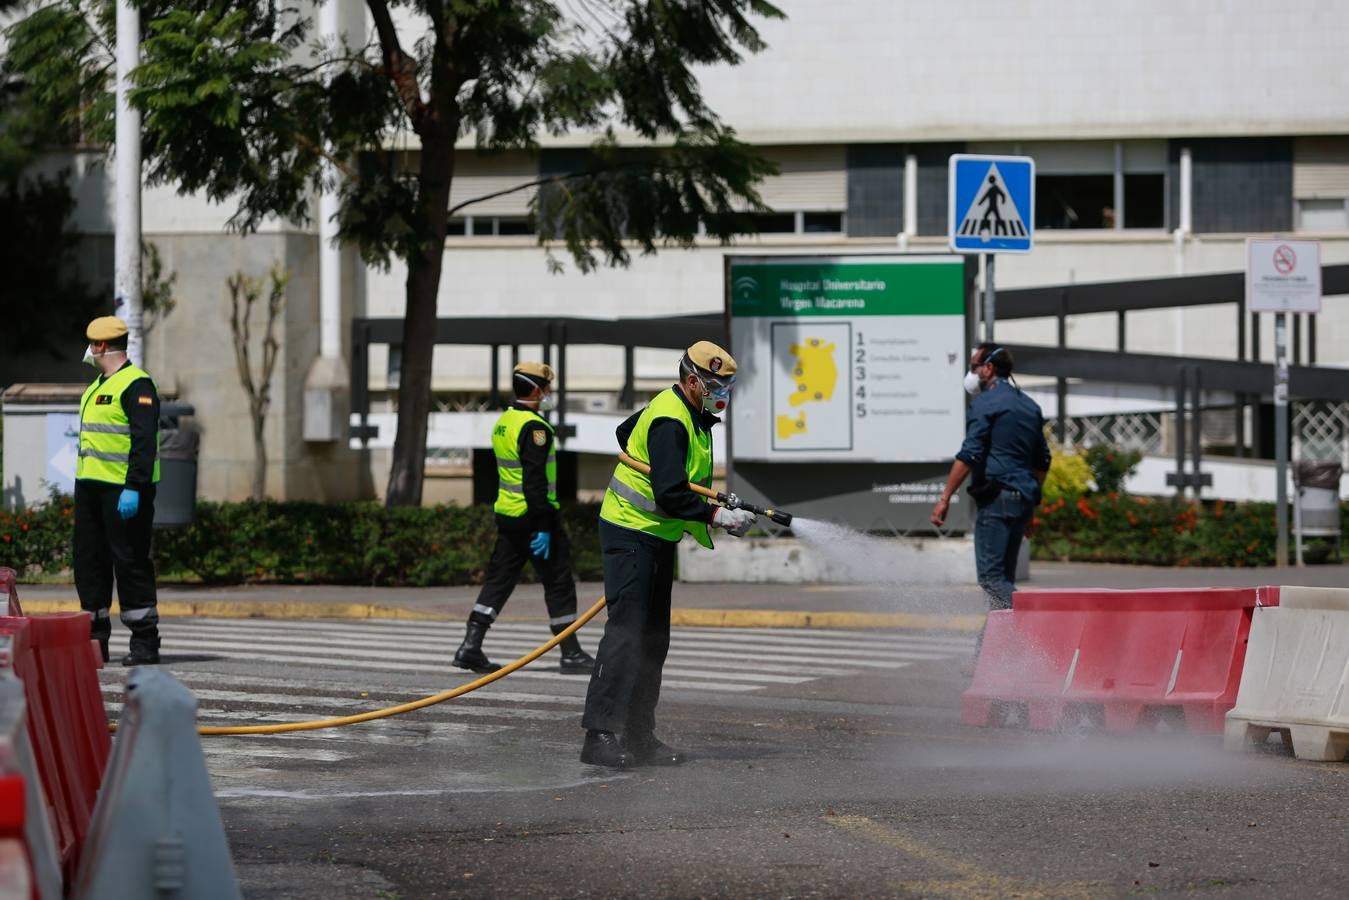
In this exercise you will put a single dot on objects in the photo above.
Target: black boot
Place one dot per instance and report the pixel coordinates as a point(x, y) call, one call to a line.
point(601, 748)
point(648, 750)
point(470, 655)
point(103, 648)
point(144, 652)
point(575, 661)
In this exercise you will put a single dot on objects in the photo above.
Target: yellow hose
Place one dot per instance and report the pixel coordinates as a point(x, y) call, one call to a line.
point(315, 724)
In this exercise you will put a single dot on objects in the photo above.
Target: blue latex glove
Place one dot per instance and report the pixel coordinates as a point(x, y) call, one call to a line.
point(128, 504)
point(542, 543)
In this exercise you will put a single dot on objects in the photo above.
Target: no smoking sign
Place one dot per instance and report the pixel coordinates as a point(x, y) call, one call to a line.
point(1283, 276)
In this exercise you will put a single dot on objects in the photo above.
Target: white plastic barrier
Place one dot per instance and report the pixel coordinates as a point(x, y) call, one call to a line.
point(16, 756)
point(1296, 678)
point(156, 830)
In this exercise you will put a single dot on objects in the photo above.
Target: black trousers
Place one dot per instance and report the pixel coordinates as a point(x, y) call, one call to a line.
point(109, 548)
point(625, 686)
point(508, 559)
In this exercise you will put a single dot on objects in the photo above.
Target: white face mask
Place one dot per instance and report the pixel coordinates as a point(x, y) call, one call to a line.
point(90, 358)
point(715, 397)
point(973, 384)
point(548, 402)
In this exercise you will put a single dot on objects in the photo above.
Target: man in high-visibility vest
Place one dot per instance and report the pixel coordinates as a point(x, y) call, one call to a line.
point(529, 528)
point(641, 522)
point(115, 480)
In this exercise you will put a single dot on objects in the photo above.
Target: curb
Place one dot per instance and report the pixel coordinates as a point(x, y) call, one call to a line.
point(680, 618)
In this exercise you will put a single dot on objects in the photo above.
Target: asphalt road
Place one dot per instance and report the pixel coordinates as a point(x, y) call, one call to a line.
point(825, 764)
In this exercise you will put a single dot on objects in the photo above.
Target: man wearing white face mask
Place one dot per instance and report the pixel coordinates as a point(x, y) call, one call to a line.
point(529, 528)
point(641, 522)
point(115, 480)
point(1006, 453)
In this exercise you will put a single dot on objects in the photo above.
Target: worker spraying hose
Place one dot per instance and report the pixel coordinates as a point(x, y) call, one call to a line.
point(655, 497)
point(658, 493)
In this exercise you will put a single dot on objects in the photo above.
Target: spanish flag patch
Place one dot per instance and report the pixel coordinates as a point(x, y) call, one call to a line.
point(146, 401)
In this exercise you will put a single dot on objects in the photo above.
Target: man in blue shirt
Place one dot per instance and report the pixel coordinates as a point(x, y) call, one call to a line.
point(1006, 453)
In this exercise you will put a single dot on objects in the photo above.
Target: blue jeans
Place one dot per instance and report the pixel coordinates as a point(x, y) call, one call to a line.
point(998, 529)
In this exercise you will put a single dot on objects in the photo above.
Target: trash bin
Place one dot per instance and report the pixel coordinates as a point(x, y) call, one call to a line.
point(1317, 512)
point(176, 498)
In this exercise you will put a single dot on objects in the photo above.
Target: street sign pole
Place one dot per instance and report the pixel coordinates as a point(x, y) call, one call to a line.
point(990, 298)
point(1281, 437)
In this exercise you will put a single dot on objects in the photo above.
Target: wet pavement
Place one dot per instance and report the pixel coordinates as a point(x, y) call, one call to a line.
point(825, 763)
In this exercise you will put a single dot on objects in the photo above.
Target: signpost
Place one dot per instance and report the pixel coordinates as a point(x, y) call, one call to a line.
point(1282, 277)
point(991, 210)
point(853, 361)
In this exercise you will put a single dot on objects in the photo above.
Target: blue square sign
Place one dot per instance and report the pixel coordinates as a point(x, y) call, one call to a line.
point(992, 204)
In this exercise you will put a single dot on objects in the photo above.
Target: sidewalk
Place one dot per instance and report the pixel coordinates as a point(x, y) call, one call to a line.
point(725, 605)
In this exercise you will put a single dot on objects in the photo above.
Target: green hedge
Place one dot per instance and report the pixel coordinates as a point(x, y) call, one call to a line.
point(365, 543)
point(304, 543)
point(1119, 528)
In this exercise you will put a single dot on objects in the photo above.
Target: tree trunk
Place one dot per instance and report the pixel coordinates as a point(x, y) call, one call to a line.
point(419, 320)
point(259, 470)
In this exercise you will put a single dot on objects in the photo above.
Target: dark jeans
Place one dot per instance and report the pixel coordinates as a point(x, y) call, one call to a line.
point(508, 559)
point(625, 686)
point(998, 529)
point(108, 548)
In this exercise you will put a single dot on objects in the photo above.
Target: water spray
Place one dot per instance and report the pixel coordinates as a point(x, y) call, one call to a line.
point(730, 501)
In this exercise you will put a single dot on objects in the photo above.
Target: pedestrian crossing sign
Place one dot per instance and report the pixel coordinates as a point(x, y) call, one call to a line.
point(992, 203)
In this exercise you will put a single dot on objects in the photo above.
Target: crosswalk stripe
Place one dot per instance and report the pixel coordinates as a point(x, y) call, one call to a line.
point(386, 696)
point(766, 662)
point(365, 665)
point(454, 631)
point(364, 704)
point(525, 643)
point(314, 754)
point(207, 715)
point(321, 650)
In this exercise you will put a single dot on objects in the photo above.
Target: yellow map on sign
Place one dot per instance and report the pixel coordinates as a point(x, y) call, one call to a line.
point(787, 426)
point(815, 372)
point(813, 378)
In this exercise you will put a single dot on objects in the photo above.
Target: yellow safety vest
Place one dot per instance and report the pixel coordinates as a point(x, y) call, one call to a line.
point(105, 430)
point(631, 503)
point(510, 470)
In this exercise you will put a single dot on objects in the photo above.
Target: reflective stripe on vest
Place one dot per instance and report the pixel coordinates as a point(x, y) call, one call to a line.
point(510, 468)
point(105, 430)
point(630, 501)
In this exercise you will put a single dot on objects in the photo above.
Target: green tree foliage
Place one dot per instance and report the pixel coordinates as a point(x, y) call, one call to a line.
point(241, 104)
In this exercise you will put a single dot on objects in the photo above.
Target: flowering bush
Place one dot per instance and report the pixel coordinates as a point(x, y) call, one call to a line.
point(1118, 528)
point(307, 543)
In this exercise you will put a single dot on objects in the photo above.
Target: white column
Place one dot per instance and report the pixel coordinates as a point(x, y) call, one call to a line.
point(127, 182)
point(326, 389)
point(911, 195)
point(330, 254)
point(1186, 184)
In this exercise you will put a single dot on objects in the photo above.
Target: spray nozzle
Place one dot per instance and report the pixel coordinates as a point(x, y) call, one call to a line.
point(777, 515)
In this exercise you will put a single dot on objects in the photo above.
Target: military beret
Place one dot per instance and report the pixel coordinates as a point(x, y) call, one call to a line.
point(105, 328)
point(534, 371)
point(711, 359)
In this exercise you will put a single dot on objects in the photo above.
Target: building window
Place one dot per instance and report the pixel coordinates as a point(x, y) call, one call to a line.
point(1074, 201)
point(774, 223)
point(490, 226)
point(1323, 214)
point(1098, 185)
point(1144, 200)
point(822, 223)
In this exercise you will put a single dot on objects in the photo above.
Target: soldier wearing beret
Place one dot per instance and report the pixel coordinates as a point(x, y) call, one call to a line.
point(115, 480)
point(529, 528)
point(641, 522)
